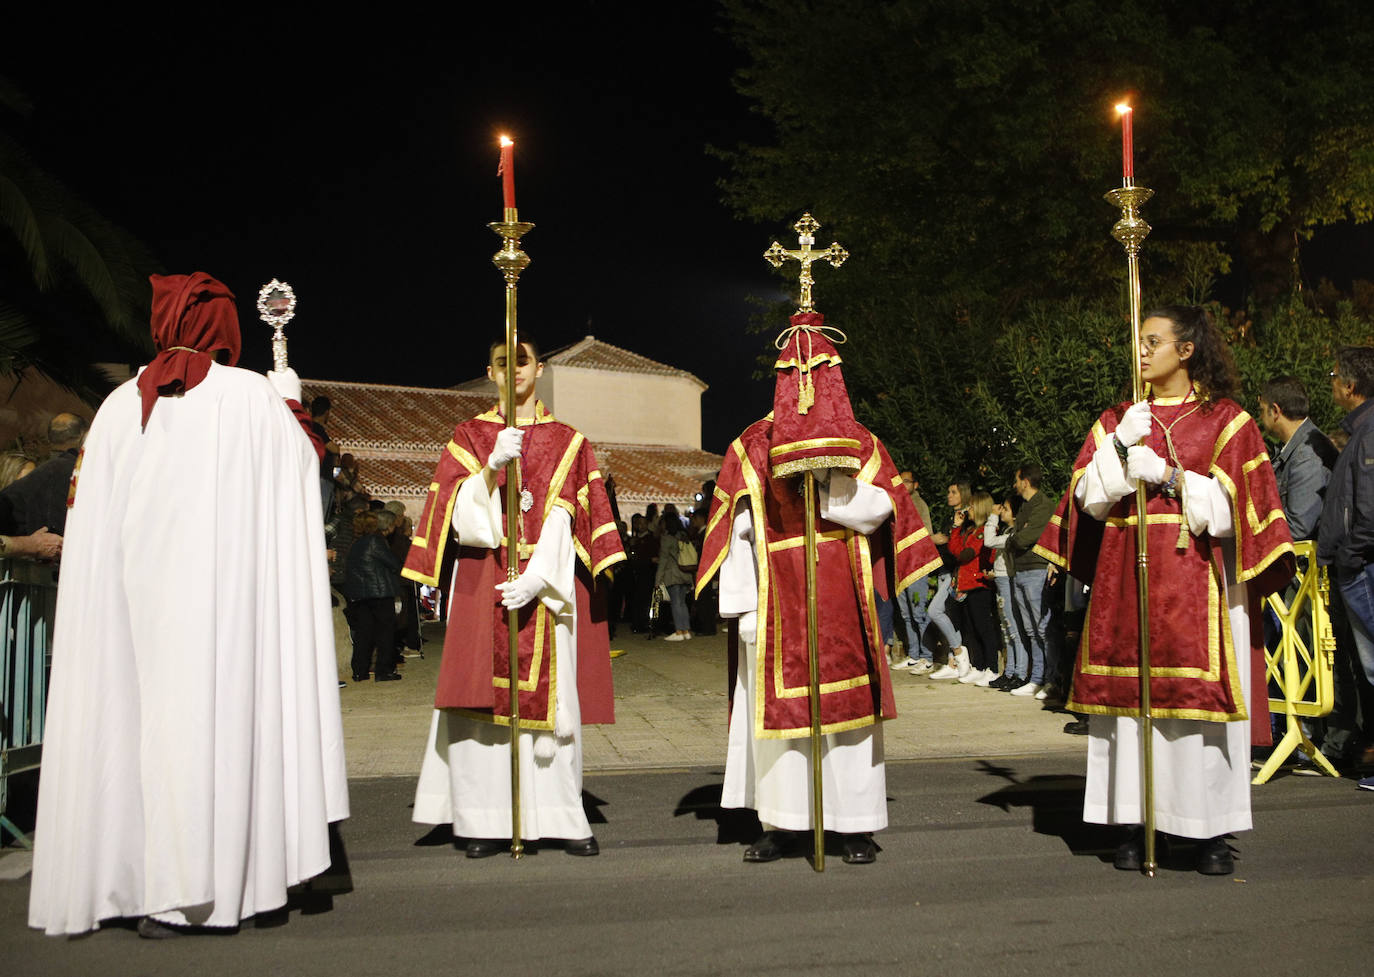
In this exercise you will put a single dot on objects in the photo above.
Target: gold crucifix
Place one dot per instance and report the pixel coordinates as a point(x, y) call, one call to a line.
point(806, 229)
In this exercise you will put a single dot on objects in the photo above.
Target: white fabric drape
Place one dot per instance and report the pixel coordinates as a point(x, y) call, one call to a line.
point(194, 751)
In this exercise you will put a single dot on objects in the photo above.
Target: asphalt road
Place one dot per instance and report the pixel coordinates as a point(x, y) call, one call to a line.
point(986, 869)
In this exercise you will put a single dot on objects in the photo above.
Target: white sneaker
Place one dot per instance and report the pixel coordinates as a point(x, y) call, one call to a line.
point(985, 678)
point(674, 637)
point(1047, 692)
point(923, 666)
point(964, 666)
point(902, 665)
point(971, 676)
point(1029, 689)
point(946, 670)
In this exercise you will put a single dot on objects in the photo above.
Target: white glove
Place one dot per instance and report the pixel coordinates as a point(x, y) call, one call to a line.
point(1144, 465)
point(516, 593)
point(286, 384)
point(1135, 423)
point(507, 448)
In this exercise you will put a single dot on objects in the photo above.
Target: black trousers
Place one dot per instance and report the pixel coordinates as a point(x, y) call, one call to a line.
point(374, 629)
point(976, 619)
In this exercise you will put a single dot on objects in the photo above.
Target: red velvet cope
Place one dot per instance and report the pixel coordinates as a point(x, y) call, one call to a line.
point(193, 316)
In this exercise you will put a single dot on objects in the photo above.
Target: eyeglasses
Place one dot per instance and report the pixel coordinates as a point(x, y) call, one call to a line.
point(1152, 343)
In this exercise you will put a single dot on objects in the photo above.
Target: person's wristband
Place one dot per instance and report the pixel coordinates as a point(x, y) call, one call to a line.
point(1120, 449)
point(1171, 486)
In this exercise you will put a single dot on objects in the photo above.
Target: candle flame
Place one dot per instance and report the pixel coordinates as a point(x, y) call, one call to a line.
point(507, 141)
point(1122, 108)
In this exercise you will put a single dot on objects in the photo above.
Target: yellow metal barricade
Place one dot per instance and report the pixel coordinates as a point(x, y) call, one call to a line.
point(1302, 665)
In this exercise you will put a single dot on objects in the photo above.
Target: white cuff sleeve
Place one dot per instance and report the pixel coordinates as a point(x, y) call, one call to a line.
point(739, 575)
point(477, 515)
point(853, 504)
point(1207, 507)
point(555, 561)
point(1103, 484)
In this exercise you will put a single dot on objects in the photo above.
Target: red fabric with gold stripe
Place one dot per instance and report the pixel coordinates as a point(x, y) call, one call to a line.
point(1192, 660)
point(559, 470)
point(855, 683)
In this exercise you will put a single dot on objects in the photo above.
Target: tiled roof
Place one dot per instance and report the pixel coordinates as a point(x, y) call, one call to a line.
point(397, 433)
point(647, 473)
point(591, 353)
point(373, 419)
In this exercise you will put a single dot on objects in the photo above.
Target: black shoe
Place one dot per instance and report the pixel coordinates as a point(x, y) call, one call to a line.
point(859, 850)
point(486, 847)
point(1008, 682)
point(364, 678)
point(1079, 727)
point(151, 929)
point(392, 677)
point(1214, 857)
point(1130, 854)
point(772, 846)
point(583, 846)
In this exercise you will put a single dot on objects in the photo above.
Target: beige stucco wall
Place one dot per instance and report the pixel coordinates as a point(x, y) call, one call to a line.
point(626, 408)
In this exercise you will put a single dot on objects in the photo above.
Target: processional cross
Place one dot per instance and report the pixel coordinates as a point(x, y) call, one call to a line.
point(806, 229)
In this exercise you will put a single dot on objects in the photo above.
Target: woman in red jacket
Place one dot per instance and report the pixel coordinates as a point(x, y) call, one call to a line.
point(974, 607)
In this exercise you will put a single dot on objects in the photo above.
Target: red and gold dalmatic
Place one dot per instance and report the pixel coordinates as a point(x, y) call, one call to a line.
point(1193, 662)
point(558, 469)
point(817, 430)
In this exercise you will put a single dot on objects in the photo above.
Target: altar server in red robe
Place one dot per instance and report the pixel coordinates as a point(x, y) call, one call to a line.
point(1218, 543)
point(567, 537)
point(869, 541)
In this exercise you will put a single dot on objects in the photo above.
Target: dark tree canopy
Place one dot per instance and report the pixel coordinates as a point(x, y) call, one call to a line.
point(960, 152)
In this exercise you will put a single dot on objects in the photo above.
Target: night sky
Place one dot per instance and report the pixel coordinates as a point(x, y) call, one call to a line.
point(356, 159)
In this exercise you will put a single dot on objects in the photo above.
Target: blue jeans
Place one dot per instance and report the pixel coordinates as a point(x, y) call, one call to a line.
point(1032, 615)
point(912, 605)
point(1357, 590)
point(677, 595)
point(884, 618)
point(938, 617)
point(1017, 661)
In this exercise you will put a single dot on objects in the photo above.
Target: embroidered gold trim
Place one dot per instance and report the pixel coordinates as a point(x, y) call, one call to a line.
point(810, 443)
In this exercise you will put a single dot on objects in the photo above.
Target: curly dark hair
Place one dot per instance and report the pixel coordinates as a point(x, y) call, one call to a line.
point(1210, 366)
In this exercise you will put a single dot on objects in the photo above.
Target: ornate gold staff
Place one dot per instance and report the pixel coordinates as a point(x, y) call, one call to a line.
point(512, 261)
point(1131, 231)
point(806, 229)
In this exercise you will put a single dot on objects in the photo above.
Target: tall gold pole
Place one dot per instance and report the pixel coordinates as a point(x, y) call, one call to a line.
point(1131, 231)
point(814, 665)
point(512, 261)
point(805, 254)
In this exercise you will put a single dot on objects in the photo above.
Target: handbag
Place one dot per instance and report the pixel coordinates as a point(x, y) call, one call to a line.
point(687, 557)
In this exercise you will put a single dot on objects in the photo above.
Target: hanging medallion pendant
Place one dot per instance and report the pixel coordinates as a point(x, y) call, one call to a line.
point(526, 500)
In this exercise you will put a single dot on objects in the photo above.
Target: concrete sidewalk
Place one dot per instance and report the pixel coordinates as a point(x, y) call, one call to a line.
point(671, 712)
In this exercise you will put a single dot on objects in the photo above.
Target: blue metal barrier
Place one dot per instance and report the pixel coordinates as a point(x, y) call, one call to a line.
point(28, 604)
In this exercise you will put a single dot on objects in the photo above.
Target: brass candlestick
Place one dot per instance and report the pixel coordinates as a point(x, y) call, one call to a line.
point(512, 261)
point(1131, 231)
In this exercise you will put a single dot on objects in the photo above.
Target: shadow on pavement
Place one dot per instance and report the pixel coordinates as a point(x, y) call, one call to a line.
point(1056, 803)
point(734, 826)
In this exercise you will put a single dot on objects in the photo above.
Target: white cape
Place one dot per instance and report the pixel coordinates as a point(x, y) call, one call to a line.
point(194, 751)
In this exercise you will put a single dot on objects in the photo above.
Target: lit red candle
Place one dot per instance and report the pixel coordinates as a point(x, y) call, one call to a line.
point(1127, 143)
point(508, 172)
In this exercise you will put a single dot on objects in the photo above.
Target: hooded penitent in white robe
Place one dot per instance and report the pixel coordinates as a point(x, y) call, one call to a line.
point(193, 755)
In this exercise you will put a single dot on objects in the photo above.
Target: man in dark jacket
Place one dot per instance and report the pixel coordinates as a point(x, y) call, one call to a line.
point(1030, 607)
point(39, 500)
point(1345, 535)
